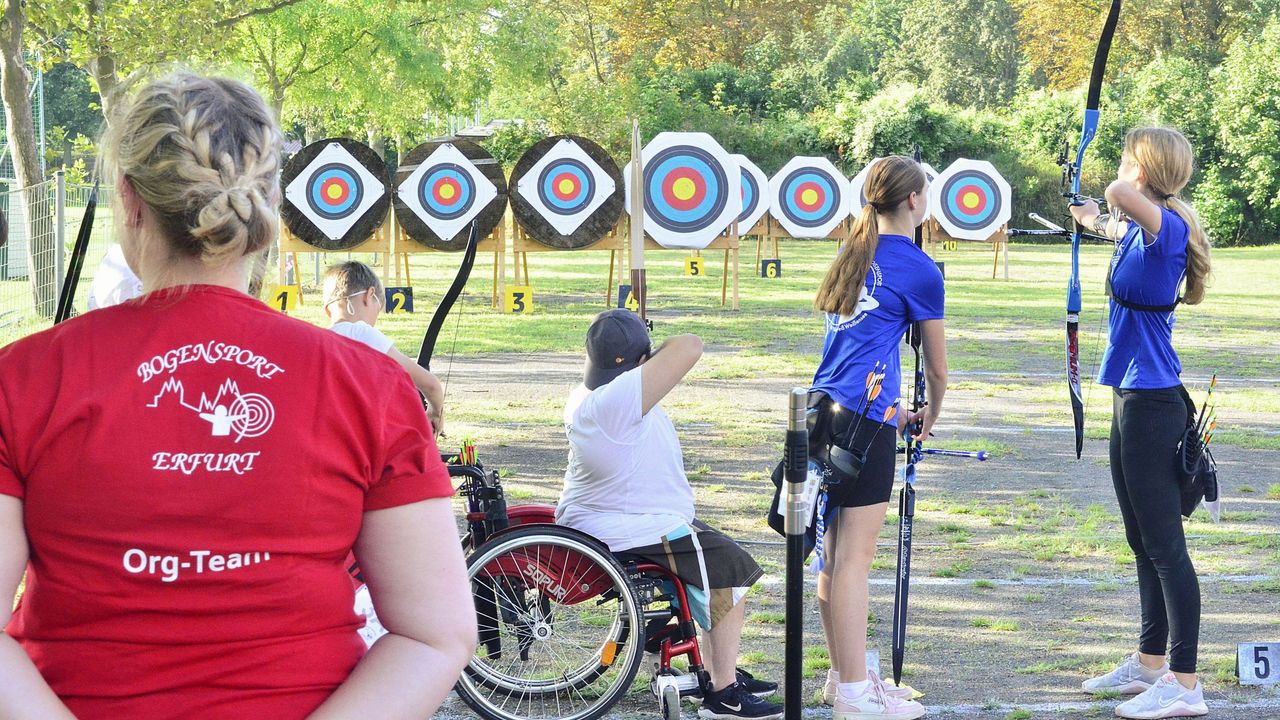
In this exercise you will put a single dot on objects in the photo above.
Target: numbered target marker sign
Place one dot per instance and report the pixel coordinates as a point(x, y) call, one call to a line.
point(809, 197)
point(566, 186)
point(519, 300)
point(627, 299)
point(692, 189)
point(970, 200)
point(286, 297)
point(771, 268)
point(334, 191)
point(755, 194)
point(446, 191)
point(693, 266)
point(1258, 663)
point(399, 300)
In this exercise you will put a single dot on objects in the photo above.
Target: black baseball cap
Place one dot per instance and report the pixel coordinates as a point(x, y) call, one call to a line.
point(616, 341)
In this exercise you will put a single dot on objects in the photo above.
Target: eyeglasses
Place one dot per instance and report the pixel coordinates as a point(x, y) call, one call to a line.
point(351, 310)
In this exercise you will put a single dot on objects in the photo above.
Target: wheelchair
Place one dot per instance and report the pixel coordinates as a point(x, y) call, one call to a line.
point(564, 623)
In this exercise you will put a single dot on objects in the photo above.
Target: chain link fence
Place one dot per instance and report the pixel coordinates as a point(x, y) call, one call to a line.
point(43, 221)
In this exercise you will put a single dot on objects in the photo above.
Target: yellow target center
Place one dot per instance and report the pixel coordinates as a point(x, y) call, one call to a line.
point(446, 191)
point(683, 188)
point(333, 191)
point(809, 197)
point(566, 186)
point(970, 200)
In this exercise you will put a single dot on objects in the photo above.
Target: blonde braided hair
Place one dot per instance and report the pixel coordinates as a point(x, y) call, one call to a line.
point(203, 154)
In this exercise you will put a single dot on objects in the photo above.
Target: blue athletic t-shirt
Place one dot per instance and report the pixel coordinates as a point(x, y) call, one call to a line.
point(903, 286)
point(1146, 271)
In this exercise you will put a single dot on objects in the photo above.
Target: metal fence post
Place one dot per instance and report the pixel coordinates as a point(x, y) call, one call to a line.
point(59, 229)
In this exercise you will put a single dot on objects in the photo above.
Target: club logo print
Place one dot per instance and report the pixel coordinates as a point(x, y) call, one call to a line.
point(230, 412)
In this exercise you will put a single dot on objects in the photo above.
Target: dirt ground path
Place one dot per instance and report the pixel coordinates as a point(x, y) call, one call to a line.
point(1022, 585)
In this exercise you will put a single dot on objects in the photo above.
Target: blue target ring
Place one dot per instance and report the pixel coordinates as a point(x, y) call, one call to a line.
point(446, 191)
point(685, 189)
point(566, 186)
point(970, 199)
point(334, 191)
point(750, 195)
point(809, 197)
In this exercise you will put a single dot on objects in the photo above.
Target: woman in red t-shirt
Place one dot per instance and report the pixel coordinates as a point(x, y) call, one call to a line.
point(183, 475)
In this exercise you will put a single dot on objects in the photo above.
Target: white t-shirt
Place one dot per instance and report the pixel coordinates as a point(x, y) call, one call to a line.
point(361, 331)
point(625, 483)
point(114, 282)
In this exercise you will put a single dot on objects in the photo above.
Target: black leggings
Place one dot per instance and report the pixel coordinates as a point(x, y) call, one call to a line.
point(1145, 429)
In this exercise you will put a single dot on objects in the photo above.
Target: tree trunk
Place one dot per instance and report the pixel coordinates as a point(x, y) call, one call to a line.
point(377, 140)
point(102, 69)
point(21, 131)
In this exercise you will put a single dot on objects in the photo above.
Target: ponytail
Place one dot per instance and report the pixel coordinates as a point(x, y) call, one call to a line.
point(889, 183)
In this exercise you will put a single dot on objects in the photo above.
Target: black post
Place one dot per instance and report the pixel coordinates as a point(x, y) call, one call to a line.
point(796, 462)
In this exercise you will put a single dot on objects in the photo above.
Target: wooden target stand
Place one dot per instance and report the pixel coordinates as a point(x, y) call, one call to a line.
point(617, 242)
point(937, 238)
point(390, 240)
point(769, 231)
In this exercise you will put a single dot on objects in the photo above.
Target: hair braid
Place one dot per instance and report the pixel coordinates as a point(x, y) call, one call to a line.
point(204, 155)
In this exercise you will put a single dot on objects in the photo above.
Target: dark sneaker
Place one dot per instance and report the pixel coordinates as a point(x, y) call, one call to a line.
point(736, 702)
point(759, 688)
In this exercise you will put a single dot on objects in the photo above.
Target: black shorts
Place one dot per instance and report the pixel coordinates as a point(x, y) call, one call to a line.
point(874, 484)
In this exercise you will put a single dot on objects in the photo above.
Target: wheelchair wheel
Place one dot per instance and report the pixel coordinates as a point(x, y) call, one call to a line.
point(561, 631)
point(670, 703)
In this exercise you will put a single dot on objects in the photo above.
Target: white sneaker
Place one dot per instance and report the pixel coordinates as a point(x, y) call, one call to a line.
point(832, 687)
point(1166, 699)
point(874, 703)
point(1129, 678)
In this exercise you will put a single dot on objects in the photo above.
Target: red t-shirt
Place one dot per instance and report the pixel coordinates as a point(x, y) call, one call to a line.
point(194, 467)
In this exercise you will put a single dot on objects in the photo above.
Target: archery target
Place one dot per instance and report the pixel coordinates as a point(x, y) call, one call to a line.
point(755, 194)
point(566, 192)
point(692, 189)
point(809, 197)
point(336, 194)
point(443, 187)
point(857, 199)
point(970, 200)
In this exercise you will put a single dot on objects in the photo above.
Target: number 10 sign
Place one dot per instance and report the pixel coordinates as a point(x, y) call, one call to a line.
point(1258, 663)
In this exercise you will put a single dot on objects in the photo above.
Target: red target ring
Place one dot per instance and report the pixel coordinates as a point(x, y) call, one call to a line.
point(971, 200)
point(684, 189)
point(566, 186)
point(447, 191)
point(809, 196)
point(334, 191)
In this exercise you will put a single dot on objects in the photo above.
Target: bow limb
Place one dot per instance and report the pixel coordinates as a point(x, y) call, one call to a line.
point(67, 295)
point(450, 297)
point(1088, 129)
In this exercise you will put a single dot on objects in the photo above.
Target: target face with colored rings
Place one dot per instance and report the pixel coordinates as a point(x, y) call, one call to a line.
point(692, 189)
point(971, 200)
point(755, 194)
point(334, 191)
point(809, 197)
point(857, 196)
point(446, 191)
point(565, 186)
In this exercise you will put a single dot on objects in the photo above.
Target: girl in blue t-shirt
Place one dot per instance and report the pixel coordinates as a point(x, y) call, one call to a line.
point(1160, 245)
point(878, 284)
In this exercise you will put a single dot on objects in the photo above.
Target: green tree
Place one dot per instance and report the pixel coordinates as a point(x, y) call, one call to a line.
point(963, 51)
point(1247, 112)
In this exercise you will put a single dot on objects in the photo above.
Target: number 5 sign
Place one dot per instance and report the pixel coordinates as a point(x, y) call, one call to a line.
point(1258, 663)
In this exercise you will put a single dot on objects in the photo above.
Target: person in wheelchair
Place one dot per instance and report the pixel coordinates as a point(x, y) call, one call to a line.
point(625, 485)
